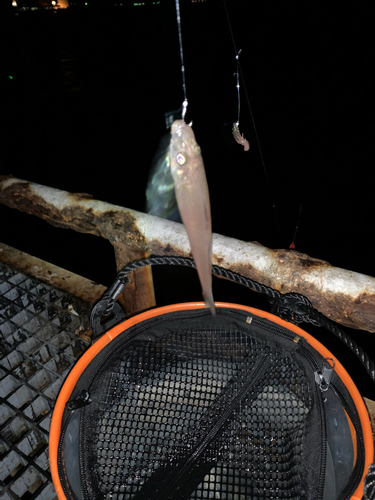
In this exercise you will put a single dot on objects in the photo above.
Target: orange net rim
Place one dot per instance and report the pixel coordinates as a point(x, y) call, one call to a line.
point(90, 354)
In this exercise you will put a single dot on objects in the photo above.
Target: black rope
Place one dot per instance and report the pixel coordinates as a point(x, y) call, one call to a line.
point(183, 261)
point(347, 340)
point(292, 307)
point(369, 486)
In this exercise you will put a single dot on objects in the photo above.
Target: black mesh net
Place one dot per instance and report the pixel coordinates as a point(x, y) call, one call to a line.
point(201, 414)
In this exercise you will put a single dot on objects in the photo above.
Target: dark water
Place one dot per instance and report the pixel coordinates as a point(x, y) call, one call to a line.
point(89, 88)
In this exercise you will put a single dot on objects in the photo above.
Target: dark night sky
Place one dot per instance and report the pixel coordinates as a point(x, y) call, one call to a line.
point(90, 87)
point(93, 86)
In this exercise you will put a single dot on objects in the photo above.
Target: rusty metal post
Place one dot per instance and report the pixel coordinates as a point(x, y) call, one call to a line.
point(344, 296)
point(139, 292)
point(79, 211)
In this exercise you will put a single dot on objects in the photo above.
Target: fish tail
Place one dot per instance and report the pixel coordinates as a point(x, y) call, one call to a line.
point(209, 301)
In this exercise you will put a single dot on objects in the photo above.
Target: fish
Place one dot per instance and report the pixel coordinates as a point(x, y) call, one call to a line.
point(193, 201)
point(240, 139)
point(160, 190)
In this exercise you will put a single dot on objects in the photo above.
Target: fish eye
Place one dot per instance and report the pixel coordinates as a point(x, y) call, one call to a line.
point(180, 158)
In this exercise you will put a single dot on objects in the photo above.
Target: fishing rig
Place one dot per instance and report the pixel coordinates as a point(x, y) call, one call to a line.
point(235, 130)
point(238, 137)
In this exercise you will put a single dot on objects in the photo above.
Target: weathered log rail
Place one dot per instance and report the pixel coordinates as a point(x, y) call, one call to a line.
point(344, 296)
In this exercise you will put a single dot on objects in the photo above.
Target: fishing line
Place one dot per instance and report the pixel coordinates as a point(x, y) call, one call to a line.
point(293, 245)
point(239, 72)
point(185, 103)
point(270, 190)
point(238, 137)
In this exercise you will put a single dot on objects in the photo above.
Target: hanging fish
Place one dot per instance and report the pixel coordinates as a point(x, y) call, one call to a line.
point(193, 201)
point(240, 139)
point(160, 193)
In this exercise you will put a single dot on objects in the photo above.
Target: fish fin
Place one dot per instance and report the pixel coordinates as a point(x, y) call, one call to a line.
point(160, 189)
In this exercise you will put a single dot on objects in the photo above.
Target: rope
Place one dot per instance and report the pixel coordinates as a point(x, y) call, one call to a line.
point(292, 307)
point(347, 340)
point(369, 486)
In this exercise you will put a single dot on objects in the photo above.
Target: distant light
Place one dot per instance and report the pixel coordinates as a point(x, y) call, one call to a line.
point(54, 2)
point(10, 77)
point(14, 3)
